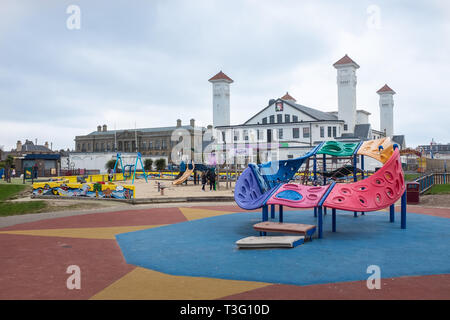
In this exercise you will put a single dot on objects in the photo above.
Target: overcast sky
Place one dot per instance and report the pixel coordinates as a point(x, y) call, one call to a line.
point(148, 62)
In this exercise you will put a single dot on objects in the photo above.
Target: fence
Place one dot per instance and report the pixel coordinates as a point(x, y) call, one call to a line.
point(427, 181)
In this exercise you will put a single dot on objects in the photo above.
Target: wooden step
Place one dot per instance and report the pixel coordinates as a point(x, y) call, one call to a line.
point(270, 242)
point(267, 226)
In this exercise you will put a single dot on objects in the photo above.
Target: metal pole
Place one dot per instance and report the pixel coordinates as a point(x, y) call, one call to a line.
point(333, 215)
point(403, 211)
point(392, 213)
point(320, 222)
point(355, 178)
point(281, 213)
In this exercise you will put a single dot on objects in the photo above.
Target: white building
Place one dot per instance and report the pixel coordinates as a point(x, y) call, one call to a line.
point(295, 127)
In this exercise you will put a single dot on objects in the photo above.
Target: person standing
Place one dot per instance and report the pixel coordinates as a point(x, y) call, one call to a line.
point(212, 180)
point(203, 180)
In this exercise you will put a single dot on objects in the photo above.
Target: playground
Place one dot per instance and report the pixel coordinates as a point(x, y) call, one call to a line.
point(285, 236)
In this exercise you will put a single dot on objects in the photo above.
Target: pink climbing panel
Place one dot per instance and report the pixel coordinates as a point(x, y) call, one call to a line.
point(378, 191)
point(298, 196)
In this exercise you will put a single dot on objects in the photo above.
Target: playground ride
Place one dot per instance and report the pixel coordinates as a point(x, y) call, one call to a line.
point(130, 169)
point(261, 185)
point(185, 175)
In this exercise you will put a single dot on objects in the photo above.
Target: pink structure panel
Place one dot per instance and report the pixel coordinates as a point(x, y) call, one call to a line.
point(309, 195)
point(379, 191)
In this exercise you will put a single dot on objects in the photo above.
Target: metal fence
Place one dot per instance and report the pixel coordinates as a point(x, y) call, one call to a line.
point(427, 181)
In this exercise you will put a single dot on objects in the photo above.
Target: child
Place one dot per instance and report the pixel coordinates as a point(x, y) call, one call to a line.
point(203, 180)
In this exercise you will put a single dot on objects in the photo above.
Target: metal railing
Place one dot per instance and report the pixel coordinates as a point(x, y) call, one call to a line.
point(427, 181)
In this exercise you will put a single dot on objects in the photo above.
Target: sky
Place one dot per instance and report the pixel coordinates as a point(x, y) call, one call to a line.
point(147, 63)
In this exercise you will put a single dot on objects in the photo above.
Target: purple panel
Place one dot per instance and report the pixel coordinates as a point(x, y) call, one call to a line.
point(247, 192)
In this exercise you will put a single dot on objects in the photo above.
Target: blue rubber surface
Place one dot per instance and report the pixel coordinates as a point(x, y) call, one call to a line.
point(206, 248)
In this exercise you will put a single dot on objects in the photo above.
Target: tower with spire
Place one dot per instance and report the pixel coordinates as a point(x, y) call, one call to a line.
point(346, 83)
point(386, 110)
point(221, 99)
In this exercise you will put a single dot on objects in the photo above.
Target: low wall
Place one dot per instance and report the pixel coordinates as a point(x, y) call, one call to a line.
point(65, 188)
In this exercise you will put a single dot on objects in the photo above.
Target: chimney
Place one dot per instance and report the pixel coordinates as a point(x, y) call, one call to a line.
point(46, 144)
point(178, 122)
point(105, 128)
point(19, 146)
point(99, 128)
point(193, 123)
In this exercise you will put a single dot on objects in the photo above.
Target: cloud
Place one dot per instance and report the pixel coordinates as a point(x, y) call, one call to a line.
point(149, 62)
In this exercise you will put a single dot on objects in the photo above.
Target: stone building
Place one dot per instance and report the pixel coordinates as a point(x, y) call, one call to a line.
point(150, 142)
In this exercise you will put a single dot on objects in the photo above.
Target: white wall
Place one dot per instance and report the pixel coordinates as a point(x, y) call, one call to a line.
point(221, 103)
point(387, 113)
point(346, 81)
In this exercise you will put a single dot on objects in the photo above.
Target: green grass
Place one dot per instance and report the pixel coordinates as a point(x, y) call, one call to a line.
point(17, 208)
point(7, 191)
point(411, 176)
point(9, 208)
point(439, 189)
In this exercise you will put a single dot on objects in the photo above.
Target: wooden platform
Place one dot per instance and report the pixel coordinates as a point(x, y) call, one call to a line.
point(295, 228)
point(270, 242)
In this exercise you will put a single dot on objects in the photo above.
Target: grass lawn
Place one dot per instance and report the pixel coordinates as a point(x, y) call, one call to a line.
point(411, 176)
point(9, 208)
point(439, 189)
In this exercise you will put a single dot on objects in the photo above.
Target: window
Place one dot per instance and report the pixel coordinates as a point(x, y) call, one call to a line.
point(334, 132)
point(329, 132)
point(322, 132)
point(295, 133)
point(272, 119)
point(294, 118)
point(103, 147)
point(279, 118)
point(345, 127)
point(163, 145)
point(150, 145)
point(305, 132)
point(290, 156)
point(280, 133)
point(246, 135)
point(259, 134)
point(236, 135)
point(287, 118)
point(264, 120)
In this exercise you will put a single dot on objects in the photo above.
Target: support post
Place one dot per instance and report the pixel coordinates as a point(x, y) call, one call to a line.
point(403, 211)
point(281, 214)
point(315, 168)
point(320, 222)
point(324, 169)
point(355, 179)
point(362, 173)
point(272, 211)
point(392, 213)
point(315, 212)
point(333, 215)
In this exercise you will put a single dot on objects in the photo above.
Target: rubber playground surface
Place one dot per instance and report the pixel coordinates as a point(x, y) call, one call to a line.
point(190, 253)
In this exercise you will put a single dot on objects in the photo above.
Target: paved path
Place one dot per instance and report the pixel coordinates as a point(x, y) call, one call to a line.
point(37, 249)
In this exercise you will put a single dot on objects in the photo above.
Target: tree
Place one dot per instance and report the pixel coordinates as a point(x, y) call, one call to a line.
point(110, 164)
point(148, 163)
point(160, 164)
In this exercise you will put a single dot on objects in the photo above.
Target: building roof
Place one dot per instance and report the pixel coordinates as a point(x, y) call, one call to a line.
point(221, 76)
point(399, 139)
point(287, 96)
point(159, 129)
point(29, 146)
point(361, 132)
point(313, 113)
point(386, 89)
point(345, 60)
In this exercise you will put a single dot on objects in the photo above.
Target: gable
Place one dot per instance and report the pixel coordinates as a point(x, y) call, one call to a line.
point(279, 107)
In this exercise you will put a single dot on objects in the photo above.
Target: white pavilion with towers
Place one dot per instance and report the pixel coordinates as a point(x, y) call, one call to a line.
point(297, 127)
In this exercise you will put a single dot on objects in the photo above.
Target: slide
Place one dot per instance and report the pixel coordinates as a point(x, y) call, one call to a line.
point(185, 175)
